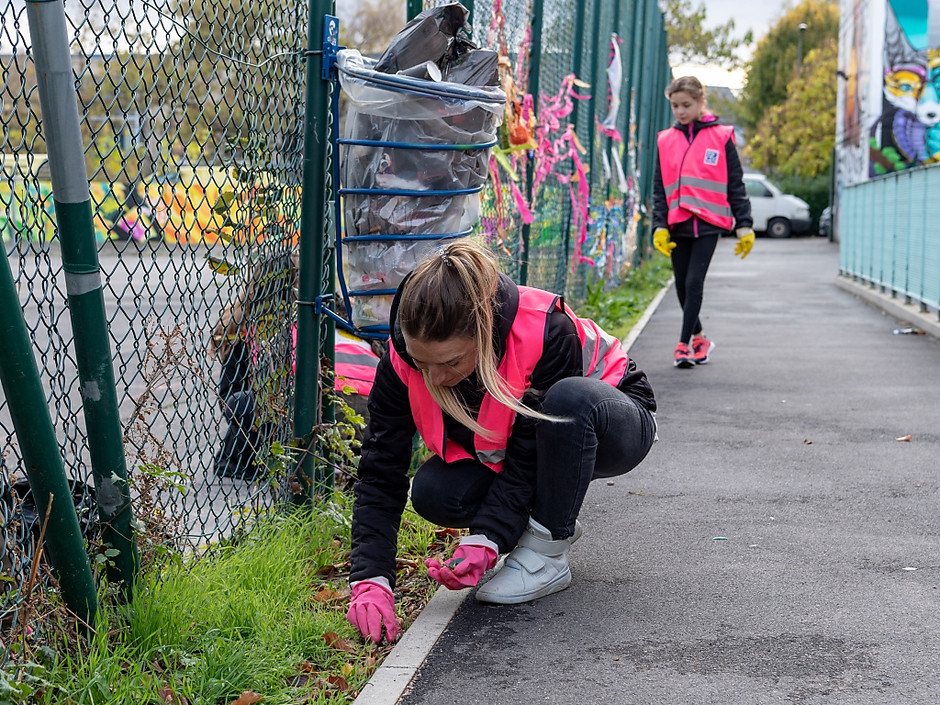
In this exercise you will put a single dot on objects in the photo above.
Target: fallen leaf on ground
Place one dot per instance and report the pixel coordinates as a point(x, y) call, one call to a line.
point(326, 594)
point(338, 682)
point(299, 681)
point(167, 696)
point(246, 698)
point(335, 641)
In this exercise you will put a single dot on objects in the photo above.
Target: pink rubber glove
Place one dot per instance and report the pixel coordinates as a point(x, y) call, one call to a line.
point(372, 604)
point(468, 564)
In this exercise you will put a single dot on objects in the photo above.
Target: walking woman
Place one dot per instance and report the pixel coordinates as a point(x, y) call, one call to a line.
point(698, 195)
point(522, 404)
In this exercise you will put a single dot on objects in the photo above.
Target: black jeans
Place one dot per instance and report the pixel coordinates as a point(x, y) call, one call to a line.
point(690, 259)
point(604, 433)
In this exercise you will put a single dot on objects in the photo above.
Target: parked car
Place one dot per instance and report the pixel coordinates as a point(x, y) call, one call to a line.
point(825, 222)
point(776, 213)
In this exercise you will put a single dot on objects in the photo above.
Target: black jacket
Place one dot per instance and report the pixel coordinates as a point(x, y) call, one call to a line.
point(236, 371)
point(381, 489)
point(737, 194)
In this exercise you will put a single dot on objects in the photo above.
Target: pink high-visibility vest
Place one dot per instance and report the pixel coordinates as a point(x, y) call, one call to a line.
point(603, 357)
point(695, 174)
point(355, 363)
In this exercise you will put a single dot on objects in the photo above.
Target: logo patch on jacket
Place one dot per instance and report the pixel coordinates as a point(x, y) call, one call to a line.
point(711, 157)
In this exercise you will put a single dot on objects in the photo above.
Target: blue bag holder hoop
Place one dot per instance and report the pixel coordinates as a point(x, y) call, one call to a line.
point(399, 84)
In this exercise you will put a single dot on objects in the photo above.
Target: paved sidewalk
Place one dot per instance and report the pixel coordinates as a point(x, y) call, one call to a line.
point(778, 545)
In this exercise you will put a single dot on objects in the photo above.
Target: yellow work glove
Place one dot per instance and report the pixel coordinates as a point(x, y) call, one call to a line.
point(745, 241)
point(662, 242)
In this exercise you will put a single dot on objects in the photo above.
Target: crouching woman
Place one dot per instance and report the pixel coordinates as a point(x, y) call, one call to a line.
point(522, 404)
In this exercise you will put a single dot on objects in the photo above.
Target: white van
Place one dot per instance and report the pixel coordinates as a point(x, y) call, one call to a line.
point(776, 213)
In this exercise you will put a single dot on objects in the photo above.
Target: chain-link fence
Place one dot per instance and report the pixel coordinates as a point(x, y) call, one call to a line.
point(591, 70)
point(192, 116)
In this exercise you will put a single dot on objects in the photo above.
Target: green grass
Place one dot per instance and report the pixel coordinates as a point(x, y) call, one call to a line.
point(619, 309)
point(258, 617)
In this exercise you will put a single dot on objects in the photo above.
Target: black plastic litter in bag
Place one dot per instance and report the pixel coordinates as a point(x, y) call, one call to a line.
point(428, 37)
point(477, 67)
point(415, 153)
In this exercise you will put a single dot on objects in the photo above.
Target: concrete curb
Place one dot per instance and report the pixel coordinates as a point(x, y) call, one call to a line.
point(395, 673)
point(645, 318)
point(906, 312)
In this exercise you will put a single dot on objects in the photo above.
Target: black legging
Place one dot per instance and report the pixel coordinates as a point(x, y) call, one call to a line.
point(690, 259)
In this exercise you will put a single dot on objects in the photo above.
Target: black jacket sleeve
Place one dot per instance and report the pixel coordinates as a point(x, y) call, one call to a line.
point(660, 210)
point(236, 371)
point(737, 193)
point(503, 515)
point(381, 488)
point(635, 384)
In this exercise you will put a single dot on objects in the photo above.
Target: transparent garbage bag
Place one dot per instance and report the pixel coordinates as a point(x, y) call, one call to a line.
point(390, 111)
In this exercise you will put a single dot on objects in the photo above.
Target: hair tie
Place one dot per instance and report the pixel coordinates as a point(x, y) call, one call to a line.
point(447, 260)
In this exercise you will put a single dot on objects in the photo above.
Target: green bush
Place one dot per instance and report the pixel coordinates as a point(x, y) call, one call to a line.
point(815, 191)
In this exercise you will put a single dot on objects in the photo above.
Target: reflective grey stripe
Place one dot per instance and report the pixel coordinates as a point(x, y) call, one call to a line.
point(78, 284)
point(686, 202)
point(587, 352)
point(497, 455)
point(603, 346)
point(705, 184)
point(694, 182)
point(351, 359)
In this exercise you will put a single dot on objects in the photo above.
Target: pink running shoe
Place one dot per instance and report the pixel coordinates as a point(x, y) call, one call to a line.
point(682, 356)
point(701, 346)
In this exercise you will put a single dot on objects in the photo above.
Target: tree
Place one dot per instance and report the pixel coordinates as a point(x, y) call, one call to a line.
point(690, 41)
point(370, 25)
point(774, 64)
point(797, 136)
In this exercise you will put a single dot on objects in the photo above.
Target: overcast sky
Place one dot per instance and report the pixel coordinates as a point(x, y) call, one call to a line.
point(757, 15)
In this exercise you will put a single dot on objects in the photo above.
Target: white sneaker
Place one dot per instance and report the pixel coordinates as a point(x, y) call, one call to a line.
point(536, 567)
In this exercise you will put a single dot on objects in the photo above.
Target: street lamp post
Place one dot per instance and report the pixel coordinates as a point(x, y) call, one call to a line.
point(799, 49)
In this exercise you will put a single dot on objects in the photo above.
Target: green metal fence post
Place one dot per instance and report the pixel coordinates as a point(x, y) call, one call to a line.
point(659, 85)
point(607, 143)
point(313, 219)
point(645, 103)
point(598, 51)
point(40, 450)
point(414, 8)
point(73, 213)
point(577, 59)
point(535, 68)
point(637, 67)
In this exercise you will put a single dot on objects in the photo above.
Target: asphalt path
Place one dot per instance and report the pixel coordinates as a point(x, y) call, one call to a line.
point(779, 545)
